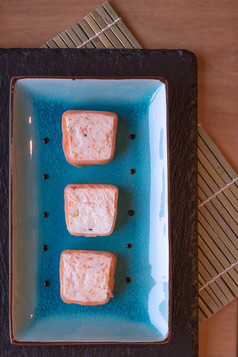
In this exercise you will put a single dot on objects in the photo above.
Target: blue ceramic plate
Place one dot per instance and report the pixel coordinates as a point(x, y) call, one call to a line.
point(139, 311)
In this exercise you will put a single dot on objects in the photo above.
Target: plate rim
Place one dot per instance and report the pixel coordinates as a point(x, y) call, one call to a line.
point(13, 81)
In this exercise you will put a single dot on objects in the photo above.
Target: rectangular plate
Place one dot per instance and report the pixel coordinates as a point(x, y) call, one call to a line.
point(139, 311)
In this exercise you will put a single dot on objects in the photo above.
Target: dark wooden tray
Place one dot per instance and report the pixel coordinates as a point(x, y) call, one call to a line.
point(179, 68)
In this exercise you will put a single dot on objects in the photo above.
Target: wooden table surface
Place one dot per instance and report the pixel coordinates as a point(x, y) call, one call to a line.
point(208, 28)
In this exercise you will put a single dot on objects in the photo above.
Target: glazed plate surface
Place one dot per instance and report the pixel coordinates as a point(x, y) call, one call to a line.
point(139, 311)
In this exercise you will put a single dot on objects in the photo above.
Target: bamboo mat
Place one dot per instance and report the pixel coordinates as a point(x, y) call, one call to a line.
point(101, 28)
point(217, 228)
point(217, 181)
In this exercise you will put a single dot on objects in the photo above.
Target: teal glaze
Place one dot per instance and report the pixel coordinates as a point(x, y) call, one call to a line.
point(139, 310)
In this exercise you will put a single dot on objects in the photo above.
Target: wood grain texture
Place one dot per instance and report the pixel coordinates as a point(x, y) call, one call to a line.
point(209, 28)
point(216, 333)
